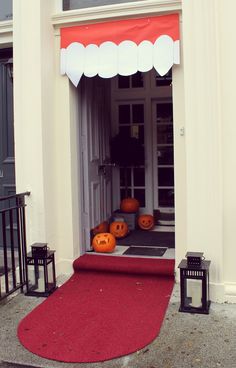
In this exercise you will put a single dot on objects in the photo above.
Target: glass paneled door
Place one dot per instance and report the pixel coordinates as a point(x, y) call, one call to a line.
point(163, 155)
point(131, 119)
point(142, 109)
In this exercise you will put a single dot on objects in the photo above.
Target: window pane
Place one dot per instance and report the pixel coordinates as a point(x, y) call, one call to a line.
point(164, 112)
point(141, 134)
point(166, 197)
point(138, 113)
point(139, 194)
point(166, 177)
point(165, 80)
point(165, 155)
point(137, 80)
point(124, 114)
point(139, 177)
point(165, 134)
point(79, 4)
point(123, 82)
point(5, 10)
point(124, 195)
point(125, 175)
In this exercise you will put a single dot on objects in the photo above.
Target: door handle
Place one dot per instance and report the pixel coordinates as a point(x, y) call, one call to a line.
point(109, 164)
point(102, 170)
point(1, 174)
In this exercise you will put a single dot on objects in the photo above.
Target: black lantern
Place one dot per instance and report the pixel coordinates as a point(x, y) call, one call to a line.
point(194, 284)
point(40, 270)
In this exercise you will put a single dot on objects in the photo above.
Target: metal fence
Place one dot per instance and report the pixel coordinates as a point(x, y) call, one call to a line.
point(12, 243)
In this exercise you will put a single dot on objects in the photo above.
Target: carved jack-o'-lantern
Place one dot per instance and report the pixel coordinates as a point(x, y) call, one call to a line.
point(101, 228)
point(129, 205)
point(146, 222)
point(119, 229)
point(104, 243)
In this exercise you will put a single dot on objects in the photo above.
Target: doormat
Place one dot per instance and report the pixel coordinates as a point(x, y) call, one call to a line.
point(145, 251)
point(149, 238)
point(110, 307)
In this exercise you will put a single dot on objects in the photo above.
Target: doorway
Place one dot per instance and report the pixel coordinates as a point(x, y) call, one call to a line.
point(140, 107)
point(7, 156)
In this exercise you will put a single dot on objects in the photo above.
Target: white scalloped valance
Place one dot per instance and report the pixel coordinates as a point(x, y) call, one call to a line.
point(120, 47)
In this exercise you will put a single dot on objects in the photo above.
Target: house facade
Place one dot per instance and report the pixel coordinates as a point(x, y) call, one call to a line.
point(58, 128)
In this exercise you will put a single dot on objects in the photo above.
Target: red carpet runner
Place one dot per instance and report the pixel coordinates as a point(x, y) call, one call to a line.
point(110, 307)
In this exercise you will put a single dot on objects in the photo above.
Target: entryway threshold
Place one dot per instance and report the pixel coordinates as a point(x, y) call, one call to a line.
point(120, 249)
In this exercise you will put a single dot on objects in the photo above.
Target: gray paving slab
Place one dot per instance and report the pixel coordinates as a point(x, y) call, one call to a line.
point(186, 340)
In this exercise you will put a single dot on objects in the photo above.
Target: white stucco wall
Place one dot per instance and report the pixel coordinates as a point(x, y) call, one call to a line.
point(29, 106)
point(45, 133)
point(208, 36)
point(227, 55)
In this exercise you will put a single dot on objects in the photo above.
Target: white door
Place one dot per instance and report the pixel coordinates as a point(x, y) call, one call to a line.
point(94, 143)
point(105, 168)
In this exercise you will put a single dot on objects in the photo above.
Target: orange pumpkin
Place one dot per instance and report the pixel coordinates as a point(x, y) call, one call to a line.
point(119, 229)
point(129, 205)
point(101, 228)
point(146, 222)
point(104, 243)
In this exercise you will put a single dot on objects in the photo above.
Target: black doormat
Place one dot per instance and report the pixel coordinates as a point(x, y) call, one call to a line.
point(149, 238)
point(145, 251)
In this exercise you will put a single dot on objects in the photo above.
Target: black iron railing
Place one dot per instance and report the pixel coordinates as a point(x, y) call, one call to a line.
point(12, 243)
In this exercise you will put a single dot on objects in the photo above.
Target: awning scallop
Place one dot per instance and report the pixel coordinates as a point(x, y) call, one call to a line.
point(120, 47)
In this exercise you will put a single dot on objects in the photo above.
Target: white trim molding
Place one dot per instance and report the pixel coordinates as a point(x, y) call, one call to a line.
point(64, 267)
point(219, 292)
point(230, 292)
point(6, 32)
point(115, 11)
point(6, 26)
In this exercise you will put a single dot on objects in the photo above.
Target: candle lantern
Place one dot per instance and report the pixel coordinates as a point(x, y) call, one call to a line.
point(194, 284)
point(40, 270)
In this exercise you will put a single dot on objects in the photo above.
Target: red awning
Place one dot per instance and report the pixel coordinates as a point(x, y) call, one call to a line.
point(120, 47)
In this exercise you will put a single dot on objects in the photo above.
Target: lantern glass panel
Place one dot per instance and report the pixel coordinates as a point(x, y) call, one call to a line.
point(36, 279)
point(193, 293)
point(50, 280)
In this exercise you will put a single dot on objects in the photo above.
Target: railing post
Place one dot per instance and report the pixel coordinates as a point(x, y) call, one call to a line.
point(5, 251)
point(12, 218)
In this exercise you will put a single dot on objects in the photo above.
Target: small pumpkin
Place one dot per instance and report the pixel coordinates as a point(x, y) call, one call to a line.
point(101, 228)
point(146, 222)
point(104, 243)
point(129, 205)
point(119, 229)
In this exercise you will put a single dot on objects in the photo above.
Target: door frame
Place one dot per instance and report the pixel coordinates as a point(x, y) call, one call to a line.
point(7, 165)
point(156, 202)
point(179, 142)
point(179, 163)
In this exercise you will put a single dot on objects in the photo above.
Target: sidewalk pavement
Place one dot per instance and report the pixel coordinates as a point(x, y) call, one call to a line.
point(185, 341)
